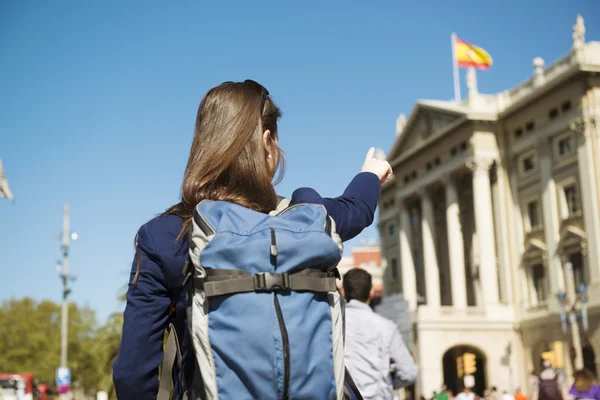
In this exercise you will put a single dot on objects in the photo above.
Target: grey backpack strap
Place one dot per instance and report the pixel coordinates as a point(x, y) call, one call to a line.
point(352, 385)
point(282, 204)
point(172, 352)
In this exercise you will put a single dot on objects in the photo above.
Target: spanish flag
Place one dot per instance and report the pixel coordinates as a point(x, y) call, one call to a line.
point(468, 55)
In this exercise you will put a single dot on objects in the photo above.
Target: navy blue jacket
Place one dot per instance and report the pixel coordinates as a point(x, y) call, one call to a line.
point(159, 287)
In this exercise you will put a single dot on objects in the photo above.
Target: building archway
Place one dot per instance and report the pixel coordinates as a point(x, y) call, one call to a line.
point(462, 360)
point(589, 359)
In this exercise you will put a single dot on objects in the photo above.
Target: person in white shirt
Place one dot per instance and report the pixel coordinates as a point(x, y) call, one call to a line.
point(466, 394)
point(375, 354)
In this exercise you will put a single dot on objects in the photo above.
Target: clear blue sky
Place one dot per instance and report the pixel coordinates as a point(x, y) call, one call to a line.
point(98, 101)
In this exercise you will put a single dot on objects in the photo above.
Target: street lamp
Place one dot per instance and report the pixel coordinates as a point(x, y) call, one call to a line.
point(63, 268)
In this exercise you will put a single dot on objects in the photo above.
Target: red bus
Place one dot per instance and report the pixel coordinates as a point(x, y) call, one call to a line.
point(21, 387)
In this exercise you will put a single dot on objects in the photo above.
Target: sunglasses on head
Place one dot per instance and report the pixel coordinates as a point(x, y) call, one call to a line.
point(263, 90)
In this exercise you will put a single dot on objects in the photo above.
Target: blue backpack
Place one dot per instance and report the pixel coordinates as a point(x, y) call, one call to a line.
point(265, 317)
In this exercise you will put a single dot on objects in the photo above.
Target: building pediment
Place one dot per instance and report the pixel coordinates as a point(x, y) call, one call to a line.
point(425, 120)
point(571, 233)
point(535, 248)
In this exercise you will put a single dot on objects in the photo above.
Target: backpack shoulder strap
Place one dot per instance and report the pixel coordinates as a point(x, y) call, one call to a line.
point(352, 385)
point(282, 204)
point(172, 352)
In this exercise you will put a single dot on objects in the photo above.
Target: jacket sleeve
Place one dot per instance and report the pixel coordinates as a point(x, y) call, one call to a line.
point(135, 372)
point(354, 210)
point(406, 370)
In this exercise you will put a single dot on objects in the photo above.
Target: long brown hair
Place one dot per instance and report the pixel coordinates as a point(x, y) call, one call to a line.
point(583, 380)
point(227, 159)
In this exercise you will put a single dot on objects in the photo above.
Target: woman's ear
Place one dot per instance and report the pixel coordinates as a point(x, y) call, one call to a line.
point(267, 141)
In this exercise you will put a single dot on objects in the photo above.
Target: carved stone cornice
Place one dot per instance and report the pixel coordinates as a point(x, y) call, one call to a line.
point(584, 128)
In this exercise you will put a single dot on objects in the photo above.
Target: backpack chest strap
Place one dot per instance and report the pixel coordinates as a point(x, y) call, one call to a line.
point(225, 282)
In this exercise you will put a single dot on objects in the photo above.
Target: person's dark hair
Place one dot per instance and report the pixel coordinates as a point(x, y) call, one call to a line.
point(227, 160)
point(357, 285)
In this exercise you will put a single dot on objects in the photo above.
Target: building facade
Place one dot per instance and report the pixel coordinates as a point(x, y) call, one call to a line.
point(367, 257)
point(490, 226)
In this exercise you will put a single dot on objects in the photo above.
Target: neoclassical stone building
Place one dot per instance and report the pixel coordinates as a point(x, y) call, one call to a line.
point(492, 221)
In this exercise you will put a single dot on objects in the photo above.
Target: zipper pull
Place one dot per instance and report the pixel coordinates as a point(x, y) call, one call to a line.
point(273, 243)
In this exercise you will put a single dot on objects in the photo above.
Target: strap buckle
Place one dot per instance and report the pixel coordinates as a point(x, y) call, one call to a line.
point(267, 281)
point(334, 272)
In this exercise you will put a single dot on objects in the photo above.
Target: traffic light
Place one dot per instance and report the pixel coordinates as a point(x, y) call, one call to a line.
point(459, 367)
point(469, 363)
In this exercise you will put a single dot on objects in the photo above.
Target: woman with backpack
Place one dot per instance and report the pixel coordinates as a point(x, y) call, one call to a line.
point(233, 158)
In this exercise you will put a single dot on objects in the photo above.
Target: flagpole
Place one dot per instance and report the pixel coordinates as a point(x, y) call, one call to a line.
point(455, 68)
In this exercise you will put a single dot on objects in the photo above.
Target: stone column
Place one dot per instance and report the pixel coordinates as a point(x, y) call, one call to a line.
point(571, 292)
point(409, 281)
point(594, 126)
point(456, 253)
point(482, 199)
point(432, 277)
point(516, 238)
point(525, 290)
point(587, 193)
point(551, 220)
point(501, 217)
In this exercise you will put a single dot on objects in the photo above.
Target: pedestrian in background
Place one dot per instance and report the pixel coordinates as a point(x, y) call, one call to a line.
point(519, 395)
point(443, 394)
point(507, 396)
point(548, 385)
point(373, 343)
point(584, 386)
point(467, 394)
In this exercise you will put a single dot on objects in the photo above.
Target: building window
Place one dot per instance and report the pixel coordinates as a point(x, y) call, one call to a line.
point(528, 163)
point(553, 113)
point(428, 166)
point(463, 146)
point(572, 200)
point(413, 175)
point(579, 272)
point(538, 278)
point(518, 132)
point(437, 161)
point(533, 212)
point(394, 268)
point(406, 178)
point(530, 126)
point(564, 146)
point(566, 106)
point(392, 229)
point(453, 151)
point(414, 218)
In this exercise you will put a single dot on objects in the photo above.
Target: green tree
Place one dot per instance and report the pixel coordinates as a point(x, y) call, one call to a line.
point(107, 348)
point(30, 341)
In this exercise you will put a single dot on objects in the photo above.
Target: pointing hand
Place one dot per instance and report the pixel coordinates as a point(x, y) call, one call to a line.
point(381, 168)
